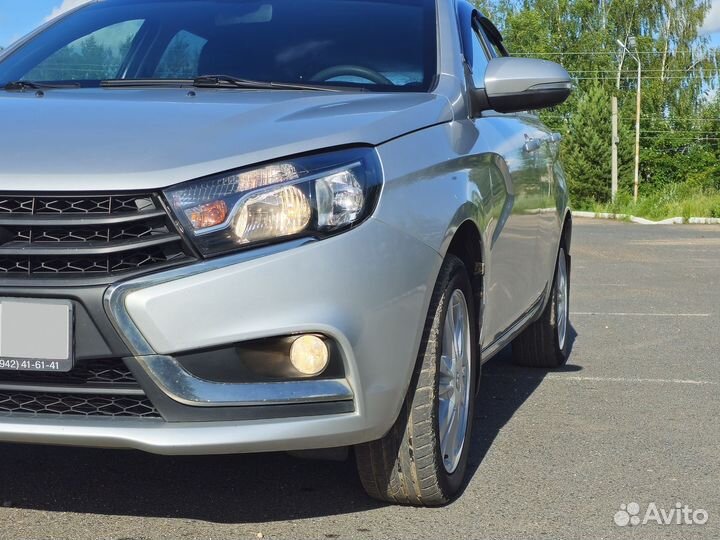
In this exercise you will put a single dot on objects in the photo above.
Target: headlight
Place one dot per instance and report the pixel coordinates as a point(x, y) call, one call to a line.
point(314, 196)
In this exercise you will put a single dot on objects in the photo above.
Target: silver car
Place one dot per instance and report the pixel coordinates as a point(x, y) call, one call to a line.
point(271, 225)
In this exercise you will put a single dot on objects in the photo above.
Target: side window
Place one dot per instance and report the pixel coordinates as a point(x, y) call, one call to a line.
point(479, 60)
point(97, 56)
point(181, 57)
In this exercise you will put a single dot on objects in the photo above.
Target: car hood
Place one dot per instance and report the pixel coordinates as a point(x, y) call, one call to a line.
point(139, 139)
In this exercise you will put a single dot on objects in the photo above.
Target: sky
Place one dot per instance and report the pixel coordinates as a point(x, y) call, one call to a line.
point(18, 17)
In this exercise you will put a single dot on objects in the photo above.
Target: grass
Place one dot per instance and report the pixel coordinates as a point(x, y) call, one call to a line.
point(668, 202)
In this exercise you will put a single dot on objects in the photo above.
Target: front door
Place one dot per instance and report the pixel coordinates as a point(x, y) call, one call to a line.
point(513, 282)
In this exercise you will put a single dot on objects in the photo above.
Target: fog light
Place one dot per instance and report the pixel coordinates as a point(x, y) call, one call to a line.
point(309, 355)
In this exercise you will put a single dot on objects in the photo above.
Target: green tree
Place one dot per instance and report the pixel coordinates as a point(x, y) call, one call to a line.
point(679, 66)
point(587, 149)
point(180, 60)
point(96, 60)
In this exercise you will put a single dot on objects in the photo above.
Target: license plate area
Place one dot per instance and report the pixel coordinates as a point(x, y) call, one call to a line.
point(36, 335)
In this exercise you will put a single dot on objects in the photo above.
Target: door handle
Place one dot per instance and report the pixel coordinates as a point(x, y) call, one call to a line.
point(531, 145)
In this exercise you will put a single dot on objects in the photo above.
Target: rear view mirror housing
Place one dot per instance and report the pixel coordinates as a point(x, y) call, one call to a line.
point(521, 84)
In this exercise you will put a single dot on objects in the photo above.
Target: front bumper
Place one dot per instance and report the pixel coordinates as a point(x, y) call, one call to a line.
point(367, 289)
point(192, 438)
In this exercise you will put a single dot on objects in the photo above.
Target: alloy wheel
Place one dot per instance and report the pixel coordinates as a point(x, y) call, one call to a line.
point(561, 300)
point(454, 381)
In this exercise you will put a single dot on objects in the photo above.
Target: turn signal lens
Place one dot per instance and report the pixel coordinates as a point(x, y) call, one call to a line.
point(207, 215)
point(309, 355)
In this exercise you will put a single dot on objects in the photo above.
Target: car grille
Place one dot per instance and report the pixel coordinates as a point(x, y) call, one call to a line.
point(102, 388)
point(94, 236)
point(12, 403)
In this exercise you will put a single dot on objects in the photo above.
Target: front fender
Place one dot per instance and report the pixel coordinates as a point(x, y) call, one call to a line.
point(433, 184)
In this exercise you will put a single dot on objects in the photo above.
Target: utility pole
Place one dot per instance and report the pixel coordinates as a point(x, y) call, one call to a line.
point(632, 42)
point(636, 187)
point(615, 141)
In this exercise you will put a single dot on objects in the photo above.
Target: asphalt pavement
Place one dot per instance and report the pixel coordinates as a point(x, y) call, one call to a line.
point(625, 432)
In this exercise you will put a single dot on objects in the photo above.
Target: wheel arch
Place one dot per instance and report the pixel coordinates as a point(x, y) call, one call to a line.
point(566, 234)
point(467, 245)
point(566, 240)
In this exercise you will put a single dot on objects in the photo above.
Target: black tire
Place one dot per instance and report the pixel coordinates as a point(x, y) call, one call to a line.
point(406, 466)
point(540, 345)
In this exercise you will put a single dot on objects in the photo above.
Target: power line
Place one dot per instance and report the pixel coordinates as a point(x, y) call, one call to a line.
point(681, 138)
point(670, 120)
point(671, 78)
point(682, 133)
point(628, 70)
point(648, 117)
point(681, 118)
point(612, 53)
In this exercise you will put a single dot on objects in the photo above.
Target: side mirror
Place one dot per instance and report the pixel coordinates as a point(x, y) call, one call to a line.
point(521, 84)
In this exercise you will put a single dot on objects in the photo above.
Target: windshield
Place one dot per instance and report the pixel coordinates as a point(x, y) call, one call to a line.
point(384, 45)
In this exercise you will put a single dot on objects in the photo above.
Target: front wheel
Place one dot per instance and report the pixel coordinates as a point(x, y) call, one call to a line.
point(423, 458)
point(546, 343)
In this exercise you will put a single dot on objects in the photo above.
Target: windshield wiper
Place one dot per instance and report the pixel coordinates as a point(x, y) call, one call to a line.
point(213, 81)
point(19, 86)
point(124, 83)
point(222, 81)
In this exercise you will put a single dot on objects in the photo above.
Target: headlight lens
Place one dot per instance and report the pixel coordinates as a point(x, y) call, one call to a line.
point(308, 196)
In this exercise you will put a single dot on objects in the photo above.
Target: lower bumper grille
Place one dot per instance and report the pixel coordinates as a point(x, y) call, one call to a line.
point(94, 388)
point(106, 371)
point(12, 403)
